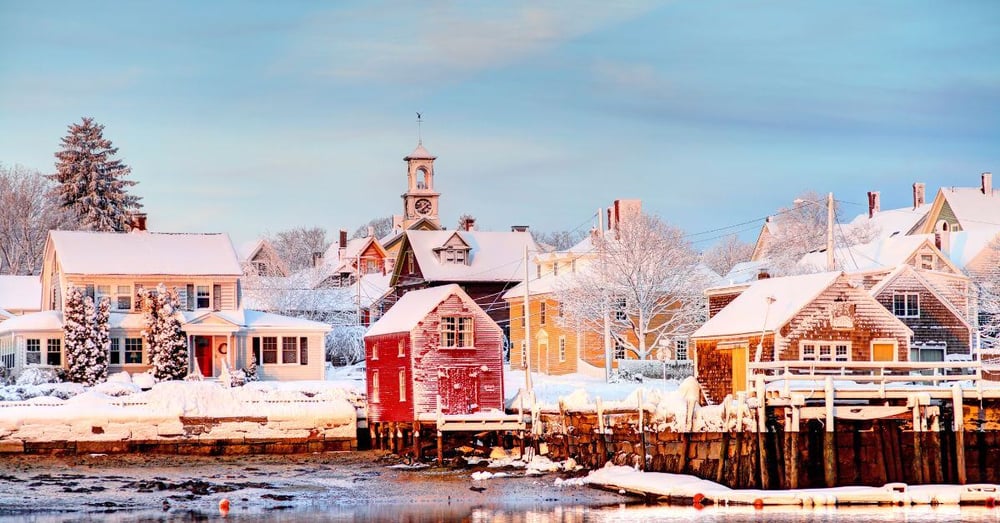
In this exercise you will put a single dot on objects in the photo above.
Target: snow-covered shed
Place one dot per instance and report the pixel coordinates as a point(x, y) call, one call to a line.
point(813, 317)
point(435, 346)
point(19, 295)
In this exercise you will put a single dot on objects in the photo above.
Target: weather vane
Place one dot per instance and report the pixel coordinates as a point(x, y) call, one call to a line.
point(420, 140)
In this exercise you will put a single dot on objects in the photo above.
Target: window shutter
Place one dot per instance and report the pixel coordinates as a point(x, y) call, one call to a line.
point(216, 297)
point(190, 297)
point(304, 350)
point(256, 350)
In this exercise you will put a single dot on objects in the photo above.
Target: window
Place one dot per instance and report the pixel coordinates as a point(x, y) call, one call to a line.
point(34, 352)
point(303, 351)
point(681, 349)
point(456, 332)
point(88, 290)
point(409, 262)
point(620, 314)
point(54, 352)
point(217, 297)
point(269, 346)
point(559, 309)
point(619, 349)
point(190, 297)
point(538, 271)
point(133, 351)
point(402, 384)
point(103, 291)
point(825, 351)
point(375, 387)
point(204, 299)
point(523, 315)
point(115, 355)
point(562, 348)
point(906, 305)
point(555, 268)
point(375, 350)
point(401, 349)
point(452, 255)
point(289, 350)
point(927, 261)
point(123, 297)
point(541, 313)
point(524, 355)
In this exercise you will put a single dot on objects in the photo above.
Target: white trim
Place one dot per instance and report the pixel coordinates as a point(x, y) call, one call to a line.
point(818, 354)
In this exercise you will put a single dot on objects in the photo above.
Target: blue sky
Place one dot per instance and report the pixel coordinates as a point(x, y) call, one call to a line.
point(253, 117)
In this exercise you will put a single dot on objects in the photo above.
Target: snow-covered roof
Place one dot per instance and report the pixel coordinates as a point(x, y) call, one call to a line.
point(140, 253)
point(4, 314)
point(256, 320)
point(20, 293)
point(413, 307)
point(884, 252)
point(968, 244)
point(973, 208)
point(493, 256)
point(420, 153)
point(247, 249)
point(907, 269)
point(744, 272)
point(886, 224)
point(351, 250)
point(35, 321)
point(750, 313)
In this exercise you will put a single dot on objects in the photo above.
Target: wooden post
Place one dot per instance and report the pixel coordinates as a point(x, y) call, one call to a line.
point(720, 470)
point(520, 437)
point(685, 447)
point(440, 448)
point(642, 432)
point(765, 476)
point(741, 400)
point(417, 457)
point(829, 438)
point(956, 395)
point(373, 434)
point(918, 454)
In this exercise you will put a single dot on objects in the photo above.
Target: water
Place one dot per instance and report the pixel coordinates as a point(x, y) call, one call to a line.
point(424, 512)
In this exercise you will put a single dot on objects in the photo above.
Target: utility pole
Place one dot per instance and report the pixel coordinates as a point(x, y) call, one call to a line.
point(358, 284)
point(829, 233)
point(527, 324)
point(604, 296)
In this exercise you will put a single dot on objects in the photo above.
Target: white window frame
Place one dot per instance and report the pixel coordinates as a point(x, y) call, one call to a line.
point(126, 351)
point(462, 329)
point(907, 312)
point(926, 262)
point(374, 351)
point(562, 349)
point(38, 351)
point(115, 348)
point(118, 296)
point(375, 387)
point(681, 348)
point(208, 296)
point(294, 350)
point(825, 351)
point(402, 385)
point(401, 349)
point(542, 313)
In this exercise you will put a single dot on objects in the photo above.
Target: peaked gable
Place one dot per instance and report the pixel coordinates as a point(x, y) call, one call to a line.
point(143, 253)
point(414, 306)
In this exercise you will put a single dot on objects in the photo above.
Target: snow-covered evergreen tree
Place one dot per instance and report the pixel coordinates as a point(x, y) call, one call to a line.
point(163, 336)
point(91, 181)
point(102, 340)
point(86, 363)
point(250, 371)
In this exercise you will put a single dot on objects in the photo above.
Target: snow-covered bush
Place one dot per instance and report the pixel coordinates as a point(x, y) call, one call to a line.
point(144, 380)
point(6, 377)
point(621, 375)
point(346, 344)
point(163, 334)
point(674, 370)
point(250, 371)
point(116, 388)
point(37, 376)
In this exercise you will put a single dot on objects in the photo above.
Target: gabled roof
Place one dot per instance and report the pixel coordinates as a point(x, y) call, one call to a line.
point(972, 208)
point(749, 312)
point(879, 254)
point(886, 224)
point(909, 270)
point(248, 249)
point(20, 293)
point(493, 256)
point(414, 306)
point(967, 245)
point(140, 253)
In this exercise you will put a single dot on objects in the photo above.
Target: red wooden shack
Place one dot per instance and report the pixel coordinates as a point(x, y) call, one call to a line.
point(435, 345)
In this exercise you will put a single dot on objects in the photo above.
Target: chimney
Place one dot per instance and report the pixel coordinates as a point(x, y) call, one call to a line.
point(137, 222)
point(626, 210)
point(371, 231)
point(611, 219)
point(763, 273)
point(987, 184)
point(918, 194)
point(942, 237)
point(343, 244)
point(518, 228)
point(317, 259)
point(874, 206)
point(469, 224)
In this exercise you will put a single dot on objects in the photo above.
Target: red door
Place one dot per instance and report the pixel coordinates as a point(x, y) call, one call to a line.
point(460, 390)
point(203, 354)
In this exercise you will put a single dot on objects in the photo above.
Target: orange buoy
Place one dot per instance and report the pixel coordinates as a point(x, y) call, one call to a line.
point(224, 506)
point(699, 498)
point(758, 503)
point(990, 502)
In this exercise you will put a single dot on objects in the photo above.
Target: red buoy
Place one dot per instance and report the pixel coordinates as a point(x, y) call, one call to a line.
point(758, 503)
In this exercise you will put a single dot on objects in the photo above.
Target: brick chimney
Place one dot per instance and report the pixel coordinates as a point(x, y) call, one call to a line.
point(874, 205)
point(763, 273)
point(942, 237)
point(469, 224)
point(919, 189)
point(987, 186)
point(137, 222)
point(343, 244)
point(518, 228)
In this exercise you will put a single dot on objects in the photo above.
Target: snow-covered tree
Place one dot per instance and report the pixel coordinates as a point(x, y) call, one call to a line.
point(102, 339)
point(83, 359)
point(296, 246)
point(381, 227)
point(559, 240)
point(163, 335)
point(986, 283)
point(250, 371)
point(27, 213)
point(647, 278)
point(727, 253)
point(346, 343)
point(796, 231)
point(91, 181)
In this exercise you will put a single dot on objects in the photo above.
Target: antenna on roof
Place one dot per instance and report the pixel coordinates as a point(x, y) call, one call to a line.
point(420, 140)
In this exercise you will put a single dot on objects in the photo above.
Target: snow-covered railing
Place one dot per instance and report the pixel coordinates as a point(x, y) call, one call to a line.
point(873, 372)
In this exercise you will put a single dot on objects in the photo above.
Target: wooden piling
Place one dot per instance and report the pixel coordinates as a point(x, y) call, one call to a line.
point(440, 448)
point(760, 391)
point(829, 439)
point(417, 454)
point(959, 427)
point(720, 470)
point(685, 447)
point(918, 453)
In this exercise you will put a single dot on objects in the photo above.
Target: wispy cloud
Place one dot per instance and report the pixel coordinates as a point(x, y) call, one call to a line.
point(421, 42)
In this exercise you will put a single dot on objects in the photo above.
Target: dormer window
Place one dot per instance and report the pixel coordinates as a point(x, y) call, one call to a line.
point(453, 255)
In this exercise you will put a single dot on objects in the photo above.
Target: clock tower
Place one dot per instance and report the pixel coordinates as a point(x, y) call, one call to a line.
point(420, 200)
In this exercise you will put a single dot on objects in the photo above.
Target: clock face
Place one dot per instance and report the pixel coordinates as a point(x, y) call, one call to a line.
point(423, 206)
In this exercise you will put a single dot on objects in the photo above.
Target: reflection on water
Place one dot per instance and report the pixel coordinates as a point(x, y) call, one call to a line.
point(421, 513)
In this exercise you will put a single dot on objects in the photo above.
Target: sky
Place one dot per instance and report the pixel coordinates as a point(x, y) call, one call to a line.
point(252, 117)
